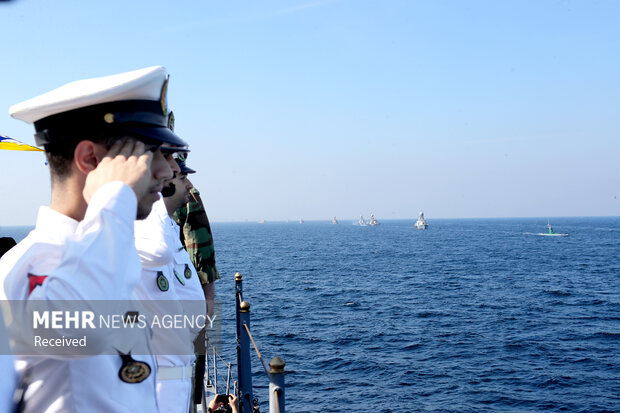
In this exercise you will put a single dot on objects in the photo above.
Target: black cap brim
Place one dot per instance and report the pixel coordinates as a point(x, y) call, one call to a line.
point(157, 134)
point(143, 119)
point(186, 170)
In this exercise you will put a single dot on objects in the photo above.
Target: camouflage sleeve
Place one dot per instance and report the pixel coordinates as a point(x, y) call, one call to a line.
point(197, 237)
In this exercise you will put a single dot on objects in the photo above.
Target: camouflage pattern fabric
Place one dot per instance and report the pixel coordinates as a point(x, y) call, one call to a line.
point(197, 238)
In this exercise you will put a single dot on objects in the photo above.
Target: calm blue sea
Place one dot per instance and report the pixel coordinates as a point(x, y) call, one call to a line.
point(470, 315)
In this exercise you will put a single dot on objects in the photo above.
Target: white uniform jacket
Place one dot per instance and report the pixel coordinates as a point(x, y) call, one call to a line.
point(91, 260)
point(165, 278)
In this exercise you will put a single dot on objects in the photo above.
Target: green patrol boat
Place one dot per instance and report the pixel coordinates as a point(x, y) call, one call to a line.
point(551, 232)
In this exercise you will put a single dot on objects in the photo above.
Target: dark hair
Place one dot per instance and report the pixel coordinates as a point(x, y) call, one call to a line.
point(59, 157)
point(61, 152)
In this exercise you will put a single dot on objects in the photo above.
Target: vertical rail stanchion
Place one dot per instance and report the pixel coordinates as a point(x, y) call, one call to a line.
point(276, 385)
point(245, 366)
point(214, 371)
point(228, 381)
point(238, 299)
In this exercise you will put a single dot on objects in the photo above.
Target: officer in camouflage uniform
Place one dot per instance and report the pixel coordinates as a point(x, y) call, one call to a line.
point(197, 237)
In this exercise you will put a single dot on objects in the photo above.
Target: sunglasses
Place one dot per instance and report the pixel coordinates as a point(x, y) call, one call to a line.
point(177, 152)
point(180, 156)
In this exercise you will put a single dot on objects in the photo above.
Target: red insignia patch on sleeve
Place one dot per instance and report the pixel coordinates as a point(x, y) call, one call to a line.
point(35, 280)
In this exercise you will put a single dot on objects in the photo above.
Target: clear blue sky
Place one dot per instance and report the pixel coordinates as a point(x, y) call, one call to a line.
point(310, 109)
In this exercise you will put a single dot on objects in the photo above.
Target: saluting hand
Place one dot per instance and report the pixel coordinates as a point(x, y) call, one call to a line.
point(127, 161)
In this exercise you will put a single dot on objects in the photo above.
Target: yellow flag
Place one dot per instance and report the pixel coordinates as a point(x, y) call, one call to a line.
point(9, 144)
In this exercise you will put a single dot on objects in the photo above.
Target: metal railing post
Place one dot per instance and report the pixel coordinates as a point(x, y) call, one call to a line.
point(276, 385)
point(244, 362)
point(238, 299)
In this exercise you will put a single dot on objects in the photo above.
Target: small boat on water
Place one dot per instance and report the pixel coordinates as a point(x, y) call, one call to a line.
point(360, 221)
point(301, 220)
point(421, 222)
point(551, 232)
point(372, 221)
point(334, 220)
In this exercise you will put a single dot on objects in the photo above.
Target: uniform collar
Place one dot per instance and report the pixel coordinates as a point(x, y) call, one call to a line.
point(54, 222)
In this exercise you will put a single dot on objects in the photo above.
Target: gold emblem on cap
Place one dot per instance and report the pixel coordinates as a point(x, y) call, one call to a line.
point(171, 121)
point(109, 117)
point(163, 99)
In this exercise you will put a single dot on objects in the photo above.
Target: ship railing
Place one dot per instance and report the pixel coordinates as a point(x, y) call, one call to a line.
point(275, 373)
point(212, 372)
point(206, 385)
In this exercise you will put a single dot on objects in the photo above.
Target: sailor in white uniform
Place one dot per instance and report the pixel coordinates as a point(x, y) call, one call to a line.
point(104, 139)
point(191, 294)
point(168, 275)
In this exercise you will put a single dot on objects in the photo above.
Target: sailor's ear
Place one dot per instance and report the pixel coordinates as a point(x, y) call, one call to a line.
point(87, 155)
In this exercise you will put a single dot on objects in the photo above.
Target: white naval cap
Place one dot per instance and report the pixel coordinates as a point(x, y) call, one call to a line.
point(127, 103)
